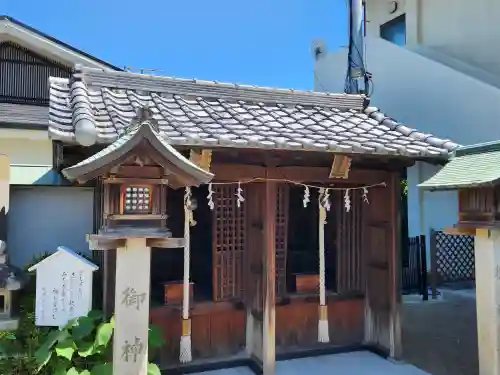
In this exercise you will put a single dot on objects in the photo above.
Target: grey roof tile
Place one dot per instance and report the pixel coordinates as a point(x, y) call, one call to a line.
point(470, 166)
point(194, 112)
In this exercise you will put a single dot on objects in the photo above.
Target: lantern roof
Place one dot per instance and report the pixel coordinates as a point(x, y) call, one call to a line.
point(141, 137)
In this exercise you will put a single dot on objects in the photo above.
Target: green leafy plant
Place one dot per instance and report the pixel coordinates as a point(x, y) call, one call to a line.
point(404, 187)
point(17, 348)
point(84, 347)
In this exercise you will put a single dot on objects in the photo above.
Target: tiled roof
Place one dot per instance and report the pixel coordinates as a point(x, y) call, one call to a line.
point(470, 166)
point(211, 114)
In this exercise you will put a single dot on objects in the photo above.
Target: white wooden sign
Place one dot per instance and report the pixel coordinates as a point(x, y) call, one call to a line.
point(63, 287)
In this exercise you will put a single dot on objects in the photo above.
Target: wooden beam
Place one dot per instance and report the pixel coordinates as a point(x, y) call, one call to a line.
point(165, 243)
point(137, 217)
point(457, 231)
point(142, 172)
point(105, 244)
point(269, 280)
point(395, 267)
point(138, 181)
point(240, 172)
point(96, 243)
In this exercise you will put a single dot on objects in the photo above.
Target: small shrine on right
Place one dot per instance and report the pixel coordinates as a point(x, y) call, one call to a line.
point(474, 171)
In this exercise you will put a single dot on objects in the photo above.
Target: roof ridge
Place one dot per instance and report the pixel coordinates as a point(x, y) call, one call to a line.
point(229, 91)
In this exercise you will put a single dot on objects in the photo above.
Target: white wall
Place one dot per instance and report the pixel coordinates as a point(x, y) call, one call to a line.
point(464, 29)
point(27, 152)
point(377, 14)
point(429, 210)
point(42, 218)
point(421, 92)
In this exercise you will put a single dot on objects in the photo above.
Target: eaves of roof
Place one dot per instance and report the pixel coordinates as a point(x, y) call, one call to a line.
point(57, 41)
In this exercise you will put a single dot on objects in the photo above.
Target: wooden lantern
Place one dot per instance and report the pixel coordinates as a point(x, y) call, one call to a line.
point(133, 174)
point(479, 206)
point(134, 202)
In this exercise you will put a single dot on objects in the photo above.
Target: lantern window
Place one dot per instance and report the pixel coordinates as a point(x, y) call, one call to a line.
point(136, 199)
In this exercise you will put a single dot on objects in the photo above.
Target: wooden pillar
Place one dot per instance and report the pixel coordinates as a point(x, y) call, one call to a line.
point(108, 282)
point(269, 280)
point(395, 346)
point(254, 272)
point(487, 258)
point(130, 345)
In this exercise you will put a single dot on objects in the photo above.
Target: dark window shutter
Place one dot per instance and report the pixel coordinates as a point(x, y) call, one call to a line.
point(281, 238)
point(229, 223)
point(349, 244)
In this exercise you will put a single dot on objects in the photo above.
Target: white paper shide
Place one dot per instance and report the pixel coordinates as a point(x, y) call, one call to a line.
point(63, 287)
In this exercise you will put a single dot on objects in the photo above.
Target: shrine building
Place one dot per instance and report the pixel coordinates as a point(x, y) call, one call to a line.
point(289, 202)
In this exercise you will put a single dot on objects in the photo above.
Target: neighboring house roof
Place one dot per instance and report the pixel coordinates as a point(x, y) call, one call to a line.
point(470, 166)
point(26, 115)
point(23, 116)
point(212, 114)
point(35, 38)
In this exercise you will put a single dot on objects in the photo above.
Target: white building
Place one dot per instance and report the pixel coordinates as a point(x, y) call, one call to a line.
point(436, 66)
point(40, 203)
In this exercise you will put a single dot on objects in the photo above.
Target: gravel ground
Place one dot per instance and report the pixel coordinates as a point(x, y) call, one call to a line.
point(440, 337)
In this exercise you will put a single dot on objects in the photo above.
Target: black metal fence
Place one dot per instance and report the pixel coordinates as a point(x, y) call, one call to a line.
point(414, 270)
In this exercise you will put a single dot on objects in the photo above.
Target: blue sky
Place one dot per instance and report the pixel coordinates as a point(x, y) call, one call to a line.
point(261, 42)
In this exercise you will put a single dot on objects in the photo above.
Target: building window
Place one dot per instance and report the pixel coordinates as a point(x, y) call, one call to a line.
point(395, 30)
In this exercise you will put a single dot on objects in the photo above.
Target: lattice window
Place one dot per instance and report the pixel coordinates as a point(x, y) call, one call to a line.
point(281, 238)
point(229, 243)
point(454, 257)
